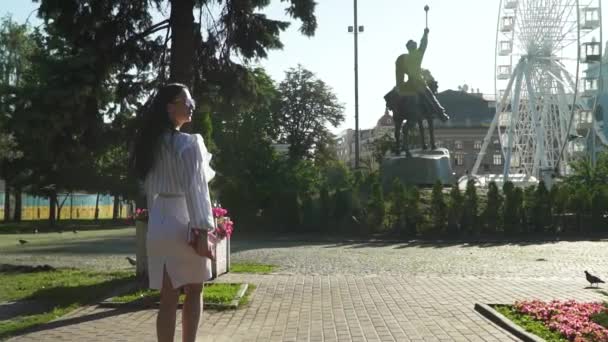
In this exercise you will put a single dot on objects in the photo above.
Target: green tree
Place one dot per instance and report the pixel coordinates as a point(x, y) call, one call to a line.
point(335, 175)
point(455, 211)
point(250, 173)
point(398, 206)
point(578, 204)
point(381, 146)
point(326, 151)
point(376, 209)
point(469, 210)
point(559, 200)
point(310, 219)
point(109, 54)
point(587, 194)
point(439, 209)
point(529, 206)
point(413, 215)
point(510, 213)
point(111, 173)
point(599, 203)
point(520, 218)
point(344, 211)
point(16, 47)
point(325, 207)
point(542, 215)
point(119, 31)
point(491, 213)
point(586, 175)
point(54, 121)
point(306, 106)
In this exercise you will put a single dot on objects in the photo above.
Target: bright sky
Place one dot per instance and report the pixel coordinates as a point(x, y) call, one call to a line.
point(461, 46)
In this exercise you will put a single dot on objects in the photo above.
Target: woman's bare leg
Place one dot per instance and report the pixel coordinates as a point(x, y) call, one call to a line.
point(191, 312)
point(165, 320)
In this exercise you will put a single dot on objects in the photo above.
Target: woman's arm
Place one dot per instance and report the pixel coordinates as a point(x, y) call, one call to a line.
point(196, 188)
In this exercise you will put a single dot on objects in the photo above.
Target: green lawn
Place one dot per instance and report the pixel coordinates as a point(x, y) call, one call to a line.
point(54, 293)
point(216, 293)
point(531, 325)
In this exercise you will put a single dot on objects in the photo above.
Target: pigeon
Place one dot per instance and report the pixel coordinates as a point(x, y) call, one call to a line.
point(131, 261)
point(75, 231)
point(593, 279)
point(23, 242)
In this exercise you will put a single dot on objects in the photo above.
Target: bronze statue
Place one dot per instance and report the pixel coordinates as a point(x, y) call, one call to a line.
point(414, 101)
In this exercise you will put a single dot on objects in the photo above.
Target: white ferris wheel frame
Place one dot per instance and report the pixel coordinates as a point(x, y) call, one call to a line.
point(520, 135)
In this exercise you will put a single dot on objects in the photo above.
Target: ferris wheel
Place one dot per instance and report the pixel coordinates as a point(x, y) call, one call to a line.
point(547, 80)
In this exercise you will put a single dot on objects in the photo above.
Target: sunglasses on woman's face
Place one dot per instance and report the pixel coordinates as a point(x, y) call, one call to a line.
point(189, 102)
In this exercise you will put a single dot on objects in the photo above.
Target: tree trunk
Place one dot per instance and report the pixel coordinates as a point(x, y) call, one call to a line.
point(71, 205)
point(18, 205)
point(53, 208)
point(97, 208)
point(182, 41)
point(60, 207)
point(115, 207)
point(7, 203)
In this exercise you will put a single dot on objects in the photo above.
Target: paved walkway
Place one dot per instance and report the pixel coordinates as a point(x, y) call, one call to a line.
point(306, 301)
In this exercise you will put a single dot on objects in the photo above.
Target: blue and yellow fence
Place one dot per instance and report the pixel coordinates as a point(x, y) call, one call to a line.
point(75, 206)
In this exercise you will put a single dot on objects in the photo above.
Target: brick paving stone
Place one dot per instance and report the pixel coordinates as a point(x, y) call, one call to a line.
point(366, 292)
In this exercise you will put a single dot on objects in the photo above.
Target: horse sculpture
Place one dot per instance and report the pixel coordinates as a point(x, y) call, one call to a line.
point(414, 109)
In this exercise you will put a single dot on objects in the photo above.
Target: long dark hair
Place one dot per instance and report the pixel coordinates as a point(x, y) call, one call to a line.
point(154, 122)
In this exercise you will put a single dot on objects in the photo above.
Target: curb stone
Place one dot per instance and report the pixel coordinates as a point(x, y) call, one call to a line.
point(488, 312)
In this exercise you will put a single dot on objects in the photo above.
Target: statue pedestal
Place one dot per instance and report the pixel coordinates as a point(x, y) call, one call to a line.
point(424, 167)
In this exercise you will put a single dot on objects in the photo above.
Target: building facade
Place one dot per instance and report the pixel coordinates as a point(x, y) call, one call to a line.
point(345, 143)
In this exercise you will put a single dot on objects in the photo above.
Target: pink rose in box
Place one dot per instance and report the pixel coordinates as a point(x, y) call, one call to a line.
point(220, 237)
point(225, 226)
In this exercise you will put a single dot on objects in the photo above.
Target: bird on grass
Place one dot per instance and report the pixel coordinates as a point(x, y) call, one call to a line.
point(23, 242)
point(132, 261)
point(593, 279)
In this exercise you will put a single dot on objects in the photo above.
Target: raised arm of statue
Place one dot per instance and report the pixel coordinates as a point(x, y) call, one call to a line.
point(424, 41)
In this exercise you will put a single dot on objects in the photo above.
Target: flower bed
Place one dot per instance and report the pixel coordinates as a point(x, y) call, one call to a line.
point(221, 237)
point(574, 320)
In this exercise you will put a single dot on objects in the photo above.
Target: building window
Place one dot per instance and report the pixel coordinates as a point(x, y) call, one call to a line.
point(498, 159)
point(459, 158)
point(458, 144)
point(477, 145)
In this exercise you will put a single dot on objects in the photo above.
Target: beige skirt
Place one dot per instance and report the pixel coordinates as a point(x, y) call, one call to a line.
point(167, 245)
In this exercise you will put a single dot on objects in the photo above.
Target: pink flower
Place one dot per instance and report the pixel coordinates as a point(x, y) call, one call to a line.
point(219, 212)
point(225, 227)
point(141, 214)
point(570, 318)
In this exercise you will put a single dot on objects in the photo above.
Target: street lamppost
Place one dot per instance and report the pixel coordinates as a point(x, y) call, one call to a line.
point(356, 29)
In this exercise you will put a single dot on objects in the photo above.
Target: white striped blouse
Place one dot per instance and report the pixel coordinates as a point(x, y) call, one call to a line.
point(182, 167)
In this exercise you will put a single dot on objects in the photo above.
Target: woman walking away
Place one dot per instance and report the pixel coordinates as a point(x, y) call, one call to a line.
point(175, 169)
